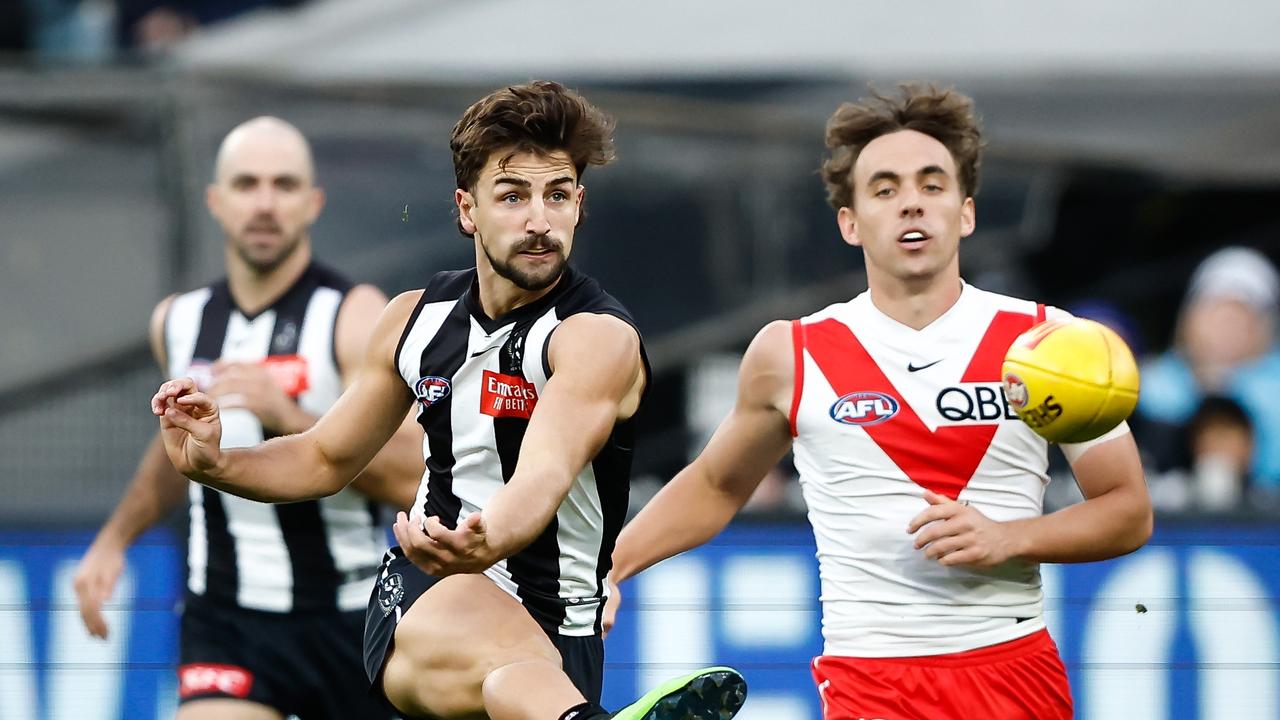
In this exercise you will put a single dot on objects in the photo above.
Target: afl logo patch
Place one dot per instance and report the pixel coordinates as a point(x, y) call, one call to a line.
point(431, 390)
point(864, 408)
point(1016, 391)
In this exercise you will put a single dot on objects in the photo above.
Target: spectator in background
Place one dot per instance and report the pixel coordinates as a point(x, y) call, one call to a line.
point(1225, 345)
point(1220, 439)
point(156, 25)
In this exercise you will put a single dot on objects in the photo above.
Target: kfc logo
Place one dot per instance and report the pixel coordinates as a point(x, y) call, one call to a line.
point(209, 679)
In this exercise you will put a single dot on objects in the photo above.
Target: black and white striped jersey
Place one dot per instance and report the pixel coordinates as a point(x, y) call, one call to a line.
point(477, 381)
point(278, 558)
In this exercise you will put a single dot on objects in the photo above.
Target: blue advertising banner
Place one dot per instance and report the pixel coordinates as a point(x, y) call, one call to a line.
point(1186, 628)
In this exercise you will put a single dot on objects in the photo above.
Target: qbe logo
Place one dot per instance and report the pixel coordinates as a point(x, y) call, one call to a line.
point(431, 390)
point(864, 408)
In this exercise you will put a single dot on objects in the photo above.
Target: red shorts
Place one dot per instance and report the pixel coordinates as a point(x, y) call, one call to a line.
point(1022, 678)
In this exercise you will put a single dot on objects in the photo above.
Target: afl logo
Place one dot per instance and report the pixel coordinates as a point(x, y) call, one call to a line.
point(431, 389)
point(864, 408)
point(1015, 390)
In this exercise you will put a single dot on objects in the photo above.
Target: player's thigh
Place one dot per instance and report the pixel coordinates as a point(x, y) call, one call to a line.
point(224, 709)
point(451, 638)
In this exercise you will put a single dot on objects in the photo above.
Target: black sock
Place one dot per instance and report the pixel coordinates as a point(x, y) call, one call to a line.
point(586, 711)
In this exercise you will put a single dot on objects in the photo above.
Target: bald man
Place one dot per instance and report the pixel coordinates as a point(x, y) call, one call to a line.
point(273, 618)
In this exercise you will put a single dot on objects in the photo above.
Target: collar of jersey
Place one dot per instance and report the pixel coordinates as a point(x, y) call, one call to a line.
point(524, 312)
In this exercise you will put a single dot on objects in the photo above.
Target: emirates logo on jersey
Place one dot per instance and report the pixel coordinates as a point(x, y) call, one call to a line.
point(864, 408)
point(507, 396)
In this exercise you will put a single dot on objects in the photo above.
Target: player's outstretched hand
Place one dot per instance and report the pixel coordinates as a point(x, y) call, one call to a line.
point(189, 425)
point(953, 533)
point(611, 607)
point(439, 551)
point(94, 582)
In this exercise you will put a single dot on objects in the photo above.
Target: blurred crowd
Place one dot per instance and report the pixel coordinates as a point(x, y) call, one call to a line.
point(1207, 419)
point(100, 31)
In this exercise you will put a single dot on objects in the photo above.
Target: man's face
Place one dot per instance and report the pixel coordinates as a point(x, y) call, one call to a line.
point(263, 196)
point(523, 213)
point(908, 212)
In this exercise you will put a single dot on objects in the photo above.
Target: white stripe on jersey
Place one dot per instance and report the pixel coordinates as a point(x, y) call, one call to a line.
point(417, 338)
point(198, 543)
point(580, 531)
point(262, 558)
point(181, 326)
point(324, 377)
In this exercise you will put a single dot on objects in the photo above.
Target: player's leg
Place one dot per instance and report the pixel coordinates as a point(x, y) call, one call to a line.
point(224, 709)
point(465, 647)
point(321, 654)
point(462, 648)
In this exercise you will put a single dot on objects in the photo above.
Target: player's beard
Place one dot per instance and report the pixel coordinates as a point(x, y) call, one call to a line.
point(529, 281)
point(264, 261)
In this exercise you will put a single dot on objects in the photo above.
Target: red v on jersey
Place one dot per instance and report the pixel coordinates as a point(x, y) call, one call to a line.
point(941, 460)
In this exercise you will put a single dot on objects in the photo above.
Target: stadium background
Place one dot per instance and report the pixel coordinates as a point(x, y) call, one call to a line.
point(1126, 143)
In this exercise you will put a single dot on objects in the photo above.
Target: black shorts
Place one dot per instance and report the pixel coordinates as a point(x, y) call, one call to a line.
point(400, 583)
point(304, 664)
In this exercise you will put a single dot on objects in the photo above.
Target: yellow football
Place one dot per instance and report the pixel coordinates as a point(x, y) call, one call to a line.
point(1070, 380)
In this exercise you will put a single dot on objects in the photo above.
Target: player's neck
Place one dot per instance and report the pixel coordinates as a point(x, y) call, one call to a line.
point(914, 304)
point(254, 291)
point(499, 296)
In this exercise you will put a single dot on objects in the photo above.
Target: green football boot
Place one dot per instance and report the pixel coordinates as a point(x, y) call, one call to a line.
point(715, 693)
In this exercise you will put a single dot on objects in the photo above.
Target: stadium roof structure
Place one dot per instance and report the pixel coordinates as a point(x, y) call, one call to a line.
point(1190, 88)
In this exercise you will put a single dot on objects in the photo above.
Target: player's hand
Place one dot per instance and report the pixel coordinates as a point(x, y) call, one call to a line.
point(611, 607)
point(439, 551)
point(251, 386)
point(95, 580)
point(953, 533)
point(189, 425)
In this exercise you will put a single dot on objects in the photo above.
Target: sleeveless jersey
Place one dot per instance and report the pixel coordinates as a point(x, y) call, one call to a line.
point(882, 412)
point(313, 555)
point(477, 381)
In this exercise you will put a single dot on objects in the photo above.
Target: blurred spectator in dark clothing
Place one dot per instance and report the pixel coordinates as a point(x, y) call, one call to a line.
point(159, 24)
point(1225, 346)
point(1220, 440)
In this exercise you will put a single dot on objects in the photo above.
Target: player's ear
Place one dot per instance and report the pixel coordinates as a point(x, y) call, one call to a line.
point(466, 203)
point(968, 217)
point(211, 198)
point(315, 203)
point(847, 220)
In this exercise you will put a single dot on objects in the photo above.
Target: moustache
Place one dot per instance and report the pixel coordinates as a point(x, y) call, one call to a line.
point(536, 243)
point(262, 224)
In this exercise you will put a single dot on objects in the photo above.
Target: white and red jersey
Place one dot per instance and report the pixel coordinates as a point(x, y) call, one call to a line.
point(881, 412)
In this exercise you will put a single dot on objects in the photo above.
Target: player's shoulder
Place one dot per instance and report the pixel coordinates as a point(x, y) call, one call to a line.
point(996, 301)
point(448, 285)
point(582, 294)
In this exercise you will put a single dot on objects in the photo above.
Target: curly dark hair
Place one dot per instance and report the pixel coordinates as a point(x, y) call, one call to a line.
point(943, 114)
point(539, 117)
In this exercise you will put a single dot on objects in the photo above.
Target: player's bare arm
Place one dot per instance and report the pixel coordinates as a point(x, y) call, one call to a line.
point(392, 476)
point(597, 381)
point(312, 464)
point(155, 490)
point(1114, 519)
point(704, 497)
